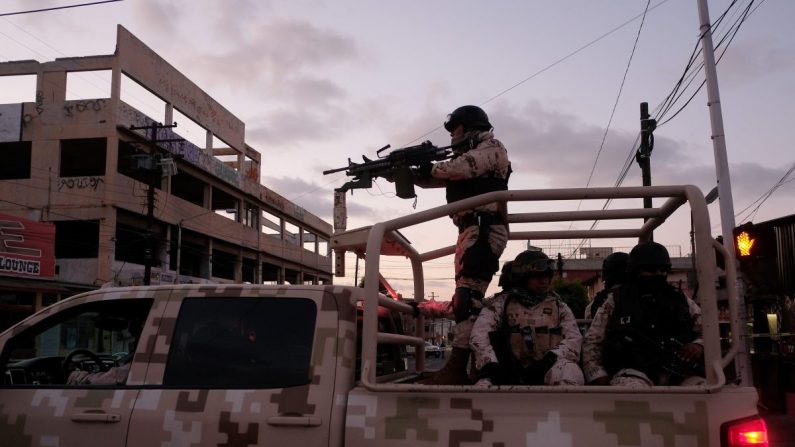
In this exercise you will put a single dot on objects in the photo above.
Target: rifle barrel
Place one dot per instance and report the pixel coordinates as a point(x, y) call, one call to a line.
point(331, 171)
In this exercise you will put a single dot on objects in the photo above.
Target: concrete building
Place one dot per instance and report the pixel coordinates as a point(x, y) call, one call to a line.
point(127, 199)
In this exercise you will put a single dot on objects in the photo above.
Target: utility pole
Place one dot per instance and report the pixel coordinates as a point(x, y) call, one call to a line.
point(152, 170)
point(643, 155)
point(726, 201)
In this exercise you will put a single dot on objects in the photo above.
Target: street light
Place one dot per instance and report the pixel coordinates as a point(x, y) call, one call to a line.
point(179, 236)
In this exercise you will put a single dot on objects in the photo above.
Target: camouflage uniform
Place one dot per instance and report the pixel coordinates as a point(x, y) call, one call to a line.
point(614, 273)
point(488, 158)
point(593, 366)
point(553, 328)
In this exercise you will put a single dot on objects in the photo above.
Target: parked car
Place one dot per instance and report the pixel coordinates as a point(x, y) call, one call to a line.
point(432, 350)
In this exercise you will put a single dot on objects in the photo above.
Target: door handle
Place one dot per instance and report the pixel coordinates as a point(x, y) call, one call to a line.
point(294, 421)
point(96, 416)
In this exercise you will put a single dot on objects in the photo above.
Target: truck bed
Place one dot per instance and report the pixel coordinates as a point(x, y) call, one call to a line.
point(522, 415)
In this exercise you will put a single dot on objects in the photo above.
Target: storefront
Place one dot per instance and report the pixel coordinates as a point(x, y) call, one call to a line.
point(27, 269)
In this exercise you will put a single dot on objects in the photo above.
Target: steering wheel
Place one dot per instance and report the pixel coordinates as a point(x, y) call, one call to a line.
point(67, 361)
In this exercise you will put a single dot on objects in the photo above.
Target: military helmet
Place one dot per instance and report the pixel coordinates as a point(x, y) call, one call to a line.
point(614, 268)
point(472, 117)
point(530, 263)
point(648, 254)
point(505, 275)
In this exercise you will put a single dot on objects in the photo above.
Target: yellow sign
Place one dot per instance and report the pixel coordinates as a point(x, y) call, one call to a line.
point(744, 243)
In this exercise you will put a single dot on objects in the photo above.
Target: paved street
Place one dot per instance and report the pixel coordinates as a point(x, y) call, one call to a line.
point(780, 428)
point(431, 363)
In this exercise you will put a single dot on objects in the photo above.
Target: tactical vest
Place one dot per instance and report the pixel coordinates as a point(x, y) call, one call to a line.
point(517, 348)
point(471, 187)
point(639, 319)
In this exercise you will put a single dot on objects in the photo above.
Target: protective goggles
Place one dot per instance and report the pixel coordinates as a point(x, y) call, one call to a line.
point(537, 266)
point(451, 123)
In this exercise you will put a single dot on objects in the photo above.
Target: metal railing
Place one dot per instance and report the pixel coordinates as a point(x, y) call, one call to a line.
point(373, 239)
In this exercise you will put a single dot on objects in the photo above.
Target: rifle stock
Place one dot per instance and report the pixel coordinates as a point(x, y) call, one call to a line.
point(397, 166)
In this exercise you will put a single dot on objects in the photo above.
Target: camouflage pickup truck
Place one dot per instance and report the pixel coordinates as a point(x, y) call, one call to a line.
point(255, 365)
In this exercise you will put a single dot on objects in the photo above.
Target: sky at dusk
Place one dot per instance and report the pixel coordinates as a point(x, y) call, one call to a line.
point(317, 82)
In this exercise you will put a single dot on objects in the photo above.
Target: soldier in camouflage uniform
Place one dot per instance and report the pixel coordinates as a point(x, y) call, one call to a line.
point(646, 332)
point(479, 165)
point(614, 272)
point(527, 334)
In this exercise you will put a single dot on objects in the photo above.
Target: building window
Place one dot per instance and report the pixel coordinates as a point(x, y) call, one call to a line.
point(76, 239)
point(232, 343)
point(188, 187)
point(16, 160)
point(224, 264)
point(249, 270)
point(83, 157)
point(133, 245)
point(250, 215)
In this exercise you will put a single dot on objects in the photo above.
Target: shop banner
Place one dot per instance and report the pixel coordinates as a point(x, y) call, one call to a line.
point(27, 248)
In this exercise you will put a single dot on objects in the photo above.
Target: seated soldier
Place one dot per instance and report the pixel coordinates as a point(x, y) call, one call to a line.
point(527, 334)
point(614, 271)
point(647, 332)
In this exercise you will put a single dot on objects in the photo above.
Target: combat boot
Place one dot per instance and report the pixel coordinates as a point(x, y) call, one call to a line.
point(454, 372)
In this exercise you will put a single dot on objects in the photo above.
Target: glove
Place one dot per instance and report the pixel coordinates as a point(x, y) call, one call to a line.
point(539, 369)
point(483, 383)
point(424, 170)
point(491, 372)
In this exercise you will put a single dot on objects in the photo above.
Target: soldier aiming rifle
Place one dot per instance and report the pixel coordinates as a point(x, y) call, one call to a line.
point(396, 166)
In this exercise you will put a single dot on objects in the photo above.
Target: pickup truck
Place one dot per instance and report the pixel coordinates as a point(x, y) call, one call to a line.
point(252, 365)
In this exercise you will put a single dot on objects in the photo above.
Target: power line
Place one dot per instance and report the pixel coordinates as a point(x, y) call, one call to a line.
point(56, 8)
point(675, 93)
point(766, 195)
point(618, 97)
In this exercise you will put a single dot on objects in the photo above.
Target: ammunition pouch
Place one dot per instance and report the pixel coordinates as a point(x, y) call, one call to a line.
point(466, 302)
point(404, 182)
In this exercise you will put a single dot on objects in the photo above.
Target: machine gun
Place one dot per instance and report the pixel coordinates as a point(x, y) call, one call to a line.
point(396, 165)
point(663, 353)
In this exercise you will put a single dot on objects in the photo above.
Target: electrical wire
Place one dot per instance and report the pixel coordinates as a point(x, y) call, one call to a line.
point(766, 195)
point(4, 14)
point(615, 104)
point(690, 74)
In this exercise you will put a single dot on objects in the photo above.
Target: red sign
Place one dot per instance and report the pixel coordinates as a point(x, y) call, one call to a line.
point(27, 247)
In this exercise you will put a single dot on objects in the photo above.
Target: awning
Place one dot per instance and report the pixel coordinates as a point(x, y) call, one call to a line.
point(32, 285)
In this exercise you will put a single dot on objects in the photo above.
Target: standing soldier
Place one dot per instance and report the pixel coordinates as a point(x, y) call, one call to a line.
point(647, 332)
point(614, 272)
point(527, 334)
point(479, 165)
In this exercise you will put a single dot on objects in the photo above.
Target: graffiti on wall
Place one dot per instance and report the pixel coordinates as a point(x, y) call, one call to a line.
point(39, 107)
point(91, 182)
point(185, 149)
point(92, 105)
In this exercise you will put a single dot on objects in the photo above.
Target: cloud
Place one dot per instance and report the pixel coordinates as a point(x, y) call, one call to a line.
point(159, 16)
point(319, 199)
point(751, 59)
point(272, 52)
